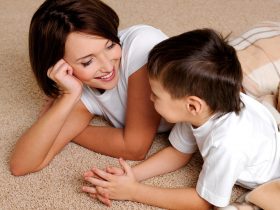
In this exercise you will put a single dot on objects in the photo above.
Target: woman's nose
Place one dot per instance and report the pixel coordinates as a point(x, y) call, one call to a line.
point(105, 63)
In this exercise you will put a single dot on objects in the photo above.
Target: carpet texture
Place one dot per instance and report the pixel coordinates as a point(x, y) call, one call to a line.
point(58, 185)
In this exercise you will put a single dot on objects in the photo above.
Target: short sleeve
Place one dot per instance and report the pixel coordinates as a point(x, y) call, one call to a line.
point(219, 173)
point(182, 138)
point(136, 42)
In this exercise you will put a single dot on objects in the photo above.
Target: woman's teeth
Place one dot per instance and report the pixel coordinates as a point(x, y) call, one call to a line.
point(107, 76)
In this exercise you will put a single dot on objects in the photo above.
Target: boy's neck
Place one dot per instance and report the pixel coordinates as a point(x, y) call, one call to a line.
point(202, 118)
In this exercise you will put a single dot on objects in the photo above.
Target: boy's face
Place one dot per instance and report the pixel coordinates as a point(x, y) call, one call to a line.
point(173, 110)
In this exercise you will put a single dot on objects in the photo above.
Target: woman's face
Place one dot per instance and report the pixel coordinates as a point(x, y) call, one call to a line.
point(95, 60)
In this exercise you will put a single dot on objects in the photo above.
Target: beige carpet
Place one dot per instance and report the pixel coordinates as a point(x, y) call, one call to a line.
point(58, 185)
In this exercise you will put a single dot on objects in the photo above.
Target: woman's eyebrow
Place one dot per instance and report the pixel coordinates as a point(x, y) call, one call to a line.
point(89, 55)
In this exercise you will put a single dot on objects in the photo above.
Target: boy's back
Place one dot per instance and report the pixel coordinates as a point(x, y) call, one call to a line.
point(235, 148)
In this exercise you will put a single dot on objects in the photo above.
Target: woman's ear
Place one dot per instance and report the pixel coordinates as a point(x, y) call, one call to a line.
point(194, 105)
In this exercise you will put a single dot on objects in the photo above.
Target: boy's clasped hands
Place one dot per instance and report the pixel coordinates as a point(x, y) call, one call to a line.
point(111, 183)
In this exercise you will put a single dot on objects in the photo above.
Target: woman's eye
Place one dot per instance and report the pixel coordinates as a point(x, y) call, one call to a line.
point(85, 64)
point(111, 45)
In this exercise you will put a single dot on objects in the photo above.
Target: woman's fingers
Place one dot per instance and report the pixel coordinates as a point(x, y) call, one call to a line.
point(62, 74)
point(52, 70)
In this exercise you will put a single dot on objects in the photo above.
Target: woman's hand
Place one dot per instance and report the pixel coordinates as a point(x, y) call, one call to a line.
point(62, 74)
point(118, 185)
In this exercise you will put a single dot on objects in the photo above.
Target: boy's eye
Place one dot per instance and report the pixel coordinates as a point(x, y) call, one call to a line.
point(153, 96)
point(85, 64)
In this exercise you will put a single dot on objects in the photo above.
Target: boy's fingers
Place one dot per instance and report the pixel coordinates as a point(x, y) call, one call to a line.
point(91, 190)
point(114, 170)
point(105, 201)
point(97, 181)
point(125, 166)
point(102, 191)
point(88, 173)
point(102, 174)
point(93, 196)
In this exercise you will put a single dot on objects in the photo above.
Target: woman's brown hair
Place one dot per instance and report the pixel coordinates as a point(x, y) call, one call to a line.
point(52, 23)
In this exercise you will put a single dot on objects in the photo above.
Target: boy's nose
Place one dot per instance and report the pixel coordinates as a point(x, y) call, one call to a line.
point(152, 98)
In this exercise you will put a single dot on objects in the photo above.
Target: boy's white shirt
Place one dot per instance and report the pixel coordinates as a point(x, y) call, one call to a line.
point(237, 149)
point(136, 43)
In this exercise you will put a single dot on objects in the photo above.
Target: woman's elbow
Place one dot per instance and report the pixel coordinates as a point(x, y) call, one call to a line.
point(136, 154)
point(16, 169)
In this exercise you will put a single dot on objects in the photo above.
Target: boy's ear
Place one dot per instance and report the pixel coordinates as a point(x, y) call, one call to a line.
point(193, 104)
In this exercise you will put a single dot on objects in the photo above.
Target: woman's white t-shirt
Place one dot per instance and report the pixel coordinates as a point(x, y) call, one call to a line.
point(136, 43)
point(239, 149)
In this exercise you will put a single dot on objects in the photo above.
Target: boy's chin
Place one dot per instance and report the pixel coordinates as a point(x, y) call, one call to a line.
point(172, 121)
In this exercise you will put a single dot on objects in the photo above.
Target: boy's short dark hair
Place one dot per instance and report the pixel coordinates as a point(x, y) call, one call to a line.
point(200, 63)
point(54, 21)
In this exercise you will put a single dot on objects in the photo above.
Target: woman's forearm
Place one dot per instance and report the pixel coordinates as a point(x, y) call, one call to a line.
point(113, 142)
point(34, 145)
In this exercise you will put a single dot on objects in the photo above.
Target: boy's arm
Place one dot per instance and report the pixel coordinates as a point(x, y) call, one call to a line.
point(167, 160)
point(169, 198)
point(126, 187)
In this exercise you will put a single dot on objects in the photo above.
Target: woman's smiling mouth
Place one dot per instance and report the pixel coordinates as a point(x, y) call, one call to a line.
point(108, 77)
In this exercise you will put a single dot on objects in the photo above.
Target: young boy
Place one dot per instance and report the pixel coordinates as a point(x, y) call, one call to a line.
point(196, 81)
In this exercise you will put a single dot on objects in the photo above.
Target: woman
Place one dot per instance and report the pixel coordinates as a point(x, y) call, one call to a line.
point(88, 68)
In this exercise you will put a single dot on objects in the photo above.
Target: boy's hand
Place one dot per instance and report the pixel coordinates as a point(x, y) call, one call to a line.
point(112, 186)
point(92, 190)
point(97, 194)
point(115, 170)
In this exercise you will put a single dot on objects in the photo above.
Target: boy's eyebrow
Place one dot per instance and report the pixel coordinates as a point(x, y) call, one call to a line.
point(89, 55)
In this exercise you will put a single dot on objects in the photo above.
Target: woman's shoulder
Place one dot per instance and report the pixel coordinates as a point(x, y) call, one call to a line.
point(136, 42)
point(141, 31)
